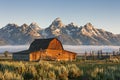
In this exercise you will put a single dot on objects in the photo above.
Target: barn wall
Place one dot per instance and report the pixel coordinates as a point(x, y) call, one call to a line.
point(49, 54)
point(53, 54)
point(55, 44)
point(69, 55)
point(34, 56)
point(23, 57)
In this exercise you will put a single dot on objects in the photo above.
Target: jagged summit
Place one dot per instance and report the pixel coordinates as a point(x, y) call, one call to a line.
point(58, 19)
point(73, 24)
point(57, 23)
point(34, 24)
point(89, 30)
point(12, 24)
point(25, 25)
point(89, 26)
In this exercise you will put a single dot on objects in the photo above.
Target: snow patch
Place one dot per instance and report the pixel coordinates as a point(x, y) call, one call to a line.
point(68, 32)
point(44, 33)
point(73, 30)
point(10, 30)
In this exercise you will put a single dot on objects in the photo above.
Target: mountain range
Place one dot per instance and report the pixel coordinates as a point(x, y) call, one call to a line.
point(69, 34)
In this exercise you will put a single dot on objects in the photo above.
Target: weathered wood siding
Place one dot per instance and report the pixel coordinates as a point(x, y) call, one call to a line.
point(55, 44)
point(69, 55)
point(50, 54)
point(23, 57)
point(35, 56)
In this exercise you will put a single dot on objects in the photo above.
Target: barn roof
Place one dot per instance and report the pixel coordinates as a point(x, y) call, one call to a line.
point(38, 44)
point(23, 52)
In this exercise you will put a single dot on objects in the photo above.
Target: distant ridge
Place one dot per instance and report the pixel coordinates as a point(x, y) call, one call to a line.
point(69, 34)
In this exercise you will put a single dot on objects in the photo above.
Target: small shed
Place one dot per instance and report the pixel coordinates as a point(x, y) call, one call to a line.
point(46, 49)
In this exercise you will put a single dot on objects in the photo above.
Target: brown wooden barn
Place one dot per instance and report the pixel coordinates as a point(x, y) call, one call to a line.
point(45, 49)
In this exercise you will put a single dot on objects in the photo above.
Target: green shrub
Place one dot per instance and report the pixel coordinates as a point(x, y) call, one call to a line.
point(28, 76)
point(1, 75)
point(74, 71)
point(51, 75)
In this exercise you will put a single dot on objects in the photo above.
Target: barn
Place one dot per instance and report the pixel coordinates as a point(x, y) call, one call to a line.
point(45, 49)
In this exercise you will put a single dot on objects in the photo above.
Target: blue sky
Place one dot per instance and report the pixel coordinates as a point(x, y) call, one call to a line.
point(103, 14)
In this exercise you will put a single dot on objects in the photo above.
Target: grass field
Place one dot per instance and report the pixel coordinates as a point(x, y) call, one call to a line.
point(53, 70)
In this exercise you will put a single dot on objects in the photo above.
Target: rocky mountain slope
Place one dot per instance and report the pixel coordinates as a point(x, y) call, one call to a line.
point(3, 42)
point(70, 34)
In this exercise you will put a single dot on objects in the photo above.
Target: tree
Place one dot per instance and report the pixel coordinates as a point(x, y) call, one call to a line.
point(85, 56)
point(114, 53)
point(93, 55)
point(98, 54)
point(101, 53)
point(6, 53)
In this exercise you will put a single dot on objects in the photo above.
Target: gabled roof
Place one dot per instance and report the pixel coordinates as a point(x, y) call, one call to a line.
point(38, 44)
point(22, 52)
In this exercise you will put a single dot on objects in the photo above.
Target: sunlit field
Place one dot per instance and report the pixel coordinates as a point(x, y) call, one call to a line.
point(60, 70)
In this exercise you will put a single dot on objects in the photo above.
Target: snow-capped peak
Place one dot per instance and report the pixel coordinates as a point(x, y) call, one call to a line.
point(24, 24)
point(35, 26)
point(73, 24)
point(24, 27)
point(57, 19)
point(89, 26)
point(57, 23)
point(12, 24)
point(89, 30)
